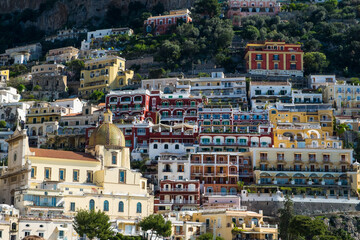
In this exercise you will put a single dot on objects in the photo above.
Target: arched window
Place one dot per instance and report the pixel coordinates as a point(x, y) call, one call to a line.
point(155, 146)
point(15, 156)
point(138, 207)
point(176, 146)
point(92, 205)
point(166, 146)
point(121, 206)
point(13, 226)
point(106, 206)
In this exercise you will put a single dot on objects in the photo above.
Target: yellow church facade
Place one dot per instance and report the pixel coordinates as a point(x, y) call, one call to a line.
point(51, 182)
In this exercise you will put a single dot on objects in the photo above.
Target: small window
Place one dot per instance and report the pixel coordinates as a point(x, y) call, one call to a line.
point(114, 159)
point(106, 206)
point(33, 172)
point(121, 206)
point(177, 146)
point(122, 175)
point(72, 206)
point(75, 175)
point(166, 146)
point(138, 207)
point(47, 173)
point(155, 146)
point(62, 174)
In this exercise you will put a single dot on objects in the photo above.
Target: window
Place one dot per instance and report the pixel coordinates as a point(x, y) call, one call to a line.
point(138, 207)
point(176, 146)
point(47, 173)
point(27, 233)
point(75, 175)
point(257, 92)
point(62, 174)
point(41, 234)
point(89, 176)
point(106, 206)
point(61, 234)
point(141, 131)
point(259, 66)
point(166, 146)
point(114, 158)
point(292, 57)
point(121, 206)
point(122, 176)
point(258, 57)
point(72, 206)
point(293, 66)
point(92, 205)
point(33, 172)
point(276, 57)
point(155, 146)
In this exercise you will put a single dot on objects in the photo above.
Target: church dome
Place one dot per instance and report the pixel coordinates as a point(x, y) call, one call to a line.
point(107, 134)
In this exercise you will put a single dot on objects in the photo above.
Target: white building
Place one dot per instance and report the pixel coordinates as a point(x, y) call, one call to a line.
point(9, 95)
point(3, 144)
point(107, 32)
point(217, 87)
point(54, 228)
point(173, 167)
point(263, 94)
point(317, 81)
point(8, 222)
point(299, 96)
point(75, 104)
point(166, 85)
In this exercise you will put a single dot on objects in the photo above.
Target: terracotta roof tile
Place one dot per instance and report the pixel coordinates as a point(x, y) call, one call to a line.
point(72, 114)
point(50, 153)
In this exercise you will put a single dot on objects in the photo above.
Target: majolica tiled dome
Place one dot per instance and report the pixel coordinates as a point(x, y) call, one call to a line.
point(107, 134)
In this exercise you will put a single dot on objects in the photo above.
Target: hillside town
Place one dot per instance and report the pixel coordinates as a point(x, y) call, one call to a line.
point(94, 145)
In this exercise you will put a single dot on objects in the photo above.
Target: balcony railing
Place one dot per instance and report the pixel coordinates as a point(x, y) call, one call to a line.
point(179, 190)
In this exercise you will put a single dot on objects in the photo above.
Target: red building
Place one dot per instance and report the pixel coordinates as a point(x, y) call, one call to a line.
point(134, 111)
point(274, 58)
point(178, 195)
point(161, 24)
point(244, 8)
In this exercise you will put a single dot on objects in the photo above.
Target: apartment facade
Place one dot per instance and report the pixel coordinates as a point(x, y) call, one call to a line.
point(344, 97)
point(266, 94)
point(49, 81)
point(159, 25)
point(178, 195)
point(236, 224)
point(304, 126)
point(244, 8)
point(104, 74)
point(274, 59)
point(217, 88)
point(330, 171)
point(62, 55)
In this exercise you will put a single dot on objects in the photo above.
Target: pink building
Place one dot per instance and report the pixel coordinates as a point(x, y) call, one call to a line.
point(159, 25)
point(238, 9)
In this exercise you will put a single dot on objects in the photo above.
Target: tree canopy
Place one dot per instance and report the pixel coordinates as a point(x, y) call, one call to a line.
point(157, 225)
point(93, 224)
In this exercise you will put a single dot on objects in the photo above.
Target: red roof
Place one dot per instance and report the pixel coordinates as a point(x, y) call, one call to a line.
point(50, 153)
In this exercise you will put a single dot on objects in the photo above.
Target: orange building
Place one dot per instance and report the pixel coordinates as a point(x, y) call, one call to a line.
point(274, 58)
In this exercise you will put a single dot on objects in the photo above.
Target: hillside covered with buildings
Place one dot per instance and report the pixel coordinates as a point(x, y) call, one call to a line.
point(179, 120)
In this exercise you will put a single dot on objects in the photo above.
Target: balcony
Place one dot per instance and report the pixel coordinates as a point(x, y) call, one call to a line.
point(312, 160)
point(263, 159)
point(179, 190)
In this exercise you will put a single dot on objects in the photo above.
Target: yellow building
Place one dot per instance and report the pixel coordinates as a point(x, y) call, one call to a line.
point(304, 126)
point(243, 224)
point(325, 171)
point(344, 97)
point(104, 74)
point(4, 75)
point(54, 182)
